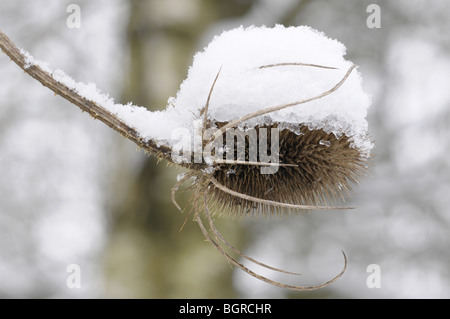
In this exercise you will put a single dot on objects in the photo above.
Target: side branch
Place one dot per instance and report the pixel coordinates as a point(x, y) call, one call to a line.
point(95, 110)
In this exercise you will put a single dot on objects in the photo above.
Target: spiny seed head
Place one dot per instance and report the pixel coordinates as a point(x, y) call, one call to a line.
point(324, 168)
point(313, 167)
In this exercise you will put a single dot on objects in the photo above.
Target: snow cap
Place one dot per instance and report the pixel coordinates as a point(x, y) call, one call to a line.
point(243, 87)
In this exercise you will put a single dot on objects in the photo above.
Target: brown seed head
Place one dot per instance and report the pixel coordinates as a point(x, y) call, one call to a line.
point(324, 167)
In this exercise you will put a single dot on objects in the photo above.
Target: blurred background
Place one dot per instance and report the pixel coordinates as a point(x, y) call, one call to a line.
point(72, 191)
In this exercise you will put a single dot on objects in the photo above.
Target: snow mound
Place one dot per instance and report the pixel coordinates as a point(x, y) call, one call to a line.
point(243, 87)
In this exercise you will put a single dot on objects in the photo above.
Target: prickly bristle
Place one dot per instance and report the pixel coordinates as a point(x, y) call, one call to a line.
point(326, 169)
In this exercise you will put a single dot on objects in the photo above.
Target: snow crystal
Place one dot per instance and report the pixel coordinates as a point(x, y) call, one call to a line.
point(30, 60)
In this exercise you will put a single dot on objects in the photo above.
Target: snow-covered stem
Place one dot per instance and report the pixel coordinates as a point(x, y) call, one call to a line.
point(92, 108)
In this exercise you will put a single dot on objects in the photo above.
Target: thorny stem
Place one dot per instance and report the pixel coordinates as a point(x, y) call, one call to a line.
point(95, 110)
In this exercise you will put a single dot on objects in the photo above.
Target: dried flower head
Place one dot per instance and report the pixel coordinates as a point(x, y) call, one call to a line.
point(313, 167)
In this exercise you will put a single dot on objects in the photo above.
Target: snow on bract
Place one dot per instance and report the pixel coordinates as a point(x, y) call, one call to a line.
point(243, 87)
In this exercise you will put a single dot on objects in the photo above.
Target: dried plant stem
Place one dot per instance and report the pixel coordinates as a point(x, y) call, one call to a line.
point(95, 110)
